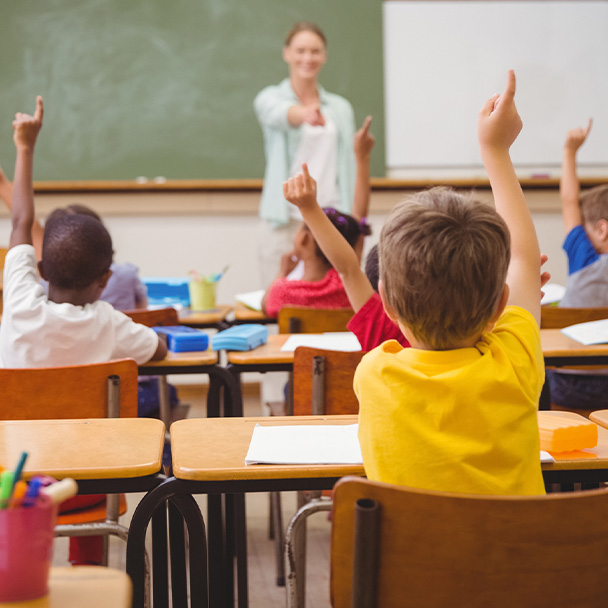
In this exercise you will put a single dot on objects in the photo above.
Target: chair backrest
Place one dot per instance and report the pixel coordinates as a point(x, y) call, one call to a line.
point(430, 549)
point(3, 252)
point(154, 318)
point(323, 381)
point(305, 320)
point(76, 391)
point(555, 317)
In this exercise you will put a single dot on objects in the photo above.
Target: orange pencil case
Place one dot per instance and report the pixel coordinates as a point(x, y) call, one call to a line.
point(565, 434)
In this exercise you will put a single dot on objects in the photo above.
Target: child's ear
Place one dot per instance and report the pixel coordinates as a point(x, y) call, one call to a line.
point(105, 277)
point(388, 309)
point(41, 270)
point(602, 228)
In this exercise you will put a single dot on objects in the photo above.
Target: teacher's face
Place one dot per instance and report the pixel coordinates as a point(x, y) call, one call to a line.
point(305, 55)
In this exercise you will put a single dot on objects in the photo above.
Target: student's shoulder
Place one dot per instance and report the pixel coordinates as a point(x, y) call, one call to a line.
point(20, 253)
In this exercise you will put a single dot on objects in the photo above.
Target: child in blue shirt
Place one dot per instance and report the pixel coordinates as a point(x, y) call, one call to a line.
point(586, 245)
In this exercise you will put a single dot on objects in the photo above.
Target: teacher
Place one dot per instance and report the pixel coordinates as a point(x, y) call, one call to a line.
point(302, 122)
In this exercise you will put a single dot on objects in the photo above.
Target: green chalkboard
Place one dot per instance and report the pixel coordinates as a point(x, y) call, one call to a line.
point(165, 87)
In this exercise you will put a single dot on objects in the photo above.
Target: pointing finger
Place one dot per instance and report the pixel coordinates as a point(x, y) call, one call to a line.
point(38, 114)
point(509, 92)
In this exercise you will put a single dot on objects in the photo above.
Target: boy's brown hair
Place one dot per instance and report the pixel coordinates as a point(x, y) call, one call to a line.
point(594, 204)
point(443, 264)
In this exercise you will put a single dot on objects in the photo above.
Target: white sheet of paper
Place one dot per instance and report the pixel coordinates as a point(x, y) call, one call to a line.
point(546, 457)
point(594, 332)
point(251, 299)
point(553, 293)
point(305, 444)
point(340, 340)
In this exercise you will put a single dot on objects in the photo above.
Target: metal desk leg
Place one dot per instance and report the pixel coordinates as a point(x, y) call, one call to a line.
point(160, 584)
point(216, 547)
point(155, 501)
point(240, 526)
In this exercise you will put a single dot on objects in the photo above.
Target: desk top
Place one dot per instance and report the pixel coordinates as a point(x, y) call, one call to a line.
point(215, 448)
point(94, 448)
point(204, 317)
point(600, 417)
point(556, 344)
point(206, 449)
point(242, 313)
point(77, 586)
point(267, 353)
point(186, 359)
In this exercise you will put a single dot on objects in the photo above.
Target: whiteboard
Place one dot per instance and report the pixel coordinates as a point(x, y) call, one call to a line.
point(442, 60)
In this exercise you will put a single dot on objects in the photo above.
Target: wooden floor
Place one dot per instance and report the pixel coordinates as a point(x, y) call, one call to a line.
point(263, 592)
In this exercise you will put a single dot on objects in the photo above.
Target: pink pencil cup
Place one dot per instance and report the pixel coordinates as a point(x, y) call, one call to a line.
point(26, 550)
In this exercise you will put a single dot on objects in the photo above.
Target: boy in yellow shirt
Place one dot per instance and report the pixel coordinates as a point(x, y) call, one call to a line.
point(457, 411)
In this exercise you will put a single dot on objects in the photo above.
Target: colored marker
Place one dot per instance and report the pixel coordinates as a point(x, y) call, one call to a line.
point(31, 496)
point(6, 487)
point(19, 490)
point(20, 465)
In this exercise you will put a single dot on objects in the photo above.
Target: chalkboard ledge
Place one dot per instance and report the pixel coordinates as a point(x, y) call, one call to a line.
point(255, 185)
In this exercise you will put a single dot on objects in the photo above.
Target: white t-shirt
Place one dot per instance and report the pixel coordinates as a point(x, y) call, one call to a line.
point(318, 148)
point(35, 332)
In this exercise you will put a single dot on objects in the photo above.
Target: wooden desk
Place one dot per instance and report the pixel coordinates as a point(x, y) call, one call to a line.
point(78, 586)
point(104, 455)
point(600, 417)
point(561, 351)
point(242, 314)
point(209, 456)
point(215, 318)
point(203, 362)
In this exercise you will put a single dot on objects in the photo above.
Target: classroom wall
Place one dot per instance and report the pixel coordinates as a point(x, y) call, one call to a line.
point(167, 234)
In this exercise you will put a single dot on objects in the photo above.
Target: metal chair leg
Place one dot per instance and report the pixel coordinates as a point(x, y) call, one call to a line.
point(295, 558)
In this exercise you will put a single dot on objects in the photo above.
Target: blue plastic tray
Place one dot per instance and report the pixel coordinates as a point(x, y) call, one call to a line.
point(240, 337)
point(168, 291)
point(182, 339)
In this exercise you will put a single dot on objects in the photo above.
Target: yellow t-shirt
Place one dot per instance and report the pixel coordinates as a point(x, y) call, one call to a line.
point(460, 420)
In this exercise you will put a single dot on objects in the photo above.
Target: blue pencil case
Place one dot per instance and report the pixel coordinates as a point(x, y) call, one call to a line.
point(240, 337)
point(182, 339)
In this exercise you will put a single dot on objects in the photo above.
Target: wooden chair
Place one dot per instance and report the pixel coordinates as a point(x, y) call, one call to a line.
point(396, 547)
point(98, 390)
point(159, 317)
point(304, 320)
point(298, 320)
point(154, 317)
point(554, 317)
point(323, 384)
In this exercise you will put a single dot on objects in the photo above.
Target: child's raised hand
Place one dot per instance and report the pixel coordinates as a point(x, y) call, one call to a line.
point(498, 122)
point(301, 190)
point(26, 127)
point(364, 140)
point(576, 137)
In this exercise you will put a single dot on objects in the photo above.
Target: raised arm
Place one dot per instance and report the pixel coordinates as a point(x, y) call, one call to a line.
point(363, 144)
point(301, 191)
point(26, 130)
point(6, 194)
point(498, 126)
point(569, 187)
